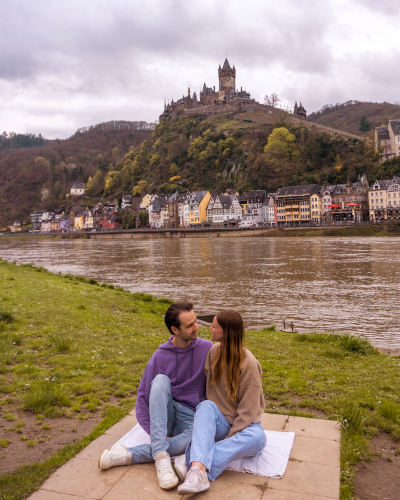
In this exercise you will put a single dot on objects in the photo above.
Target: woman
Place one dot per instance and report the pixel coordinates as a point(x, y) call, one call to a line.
point(228, 425)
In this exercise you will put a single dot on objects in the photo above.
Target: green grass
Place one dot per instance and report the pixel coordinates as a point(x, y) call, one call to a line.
point(113, 334)
point(28, 478)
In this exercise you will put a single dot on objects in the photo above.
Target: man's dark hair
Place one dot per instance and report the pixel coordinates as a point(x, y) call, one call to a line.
point(173, 312)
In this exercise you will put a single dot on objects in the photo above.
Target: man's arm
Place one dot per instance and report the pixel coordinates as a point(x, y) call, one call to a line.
point(142, 401)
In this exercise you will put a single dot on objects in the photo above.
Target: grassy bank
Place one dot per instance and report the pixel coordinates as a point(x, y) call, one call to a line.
point(70, 348)
point(331, 231)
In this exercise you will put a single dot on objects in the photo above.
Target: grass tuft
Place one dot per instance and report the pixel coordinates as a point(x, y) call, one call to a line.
point(61, 342)
point(6, 316)
point(4, 443)
point(43, 395)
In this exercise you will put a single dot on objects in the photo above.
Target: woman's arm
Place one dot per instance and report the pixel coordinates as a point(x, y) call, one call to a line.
point(251, 397)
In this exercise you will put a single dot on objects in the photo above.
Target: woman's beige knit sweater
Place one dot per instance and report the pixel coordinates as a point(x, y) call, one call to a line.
point(249, 405)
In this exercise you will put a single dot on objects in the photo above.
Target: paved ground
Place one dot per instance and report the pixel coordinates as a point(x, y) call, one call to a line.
point(312, 472)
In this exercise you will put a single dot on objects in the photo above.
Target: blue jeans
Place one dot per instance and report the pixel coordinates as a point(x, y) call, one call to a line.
point(167, 418)
point(209, 446)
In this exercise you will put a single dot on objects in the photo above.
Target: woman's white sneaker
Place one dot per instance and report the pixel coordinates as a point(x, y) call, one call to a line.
point(195, 482)
point(165, 473)
point(180, 467)
point(119, 455)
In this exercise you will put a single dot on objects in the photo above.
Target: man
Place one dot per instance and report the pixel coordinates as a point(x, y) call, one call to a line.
point(172, 386)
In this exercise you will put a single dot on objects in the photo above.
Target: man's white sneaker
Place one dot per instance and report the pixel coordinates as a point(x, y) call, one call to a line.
point(180, 467)
point(119, 455)
point(165, 473)
point(196, 481)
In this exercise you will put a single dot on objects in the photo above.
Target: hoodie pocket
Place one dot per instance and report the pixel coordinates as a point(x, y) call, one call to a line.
point(187, 398)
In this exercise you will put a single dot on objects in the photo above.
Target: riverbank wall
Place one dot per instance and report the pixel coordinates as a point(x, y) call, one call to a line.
point(357, 231)
point(372, 230)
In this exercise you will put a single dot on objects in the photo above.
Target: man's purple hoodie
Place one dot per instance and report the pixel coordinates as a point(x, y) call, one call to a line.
point(184, 368)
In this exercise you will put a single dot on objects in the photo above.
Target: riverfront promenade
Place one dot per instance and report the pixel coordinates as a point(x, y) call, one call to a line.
point(313, 471)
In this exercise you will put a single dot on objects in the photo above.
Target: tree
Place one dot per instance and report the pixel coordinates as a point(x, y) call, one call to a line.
point(141, 186)
point(365, 126)
point(272, 100)
point(94, 185)
point(101, 161)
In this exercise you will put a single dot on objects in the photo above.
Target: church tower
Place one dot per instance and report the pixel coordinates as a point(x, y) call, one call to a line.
point(227, 80)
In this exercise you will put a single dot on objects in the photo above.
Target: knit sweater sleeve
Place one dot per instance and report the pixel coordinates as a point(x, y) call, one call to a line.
point(250, 399)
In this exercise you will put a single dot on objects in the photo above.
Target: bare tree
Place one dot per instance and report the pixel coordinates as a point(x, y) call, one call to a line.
point(272, 100)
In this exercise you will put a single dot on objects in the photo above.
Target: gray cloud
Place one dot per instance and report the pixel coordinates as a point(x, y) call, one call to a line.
point(66, 65)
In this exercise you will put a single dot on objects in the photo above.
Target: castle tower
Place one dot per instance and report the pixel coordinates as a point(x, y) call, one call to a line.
point(227, 80)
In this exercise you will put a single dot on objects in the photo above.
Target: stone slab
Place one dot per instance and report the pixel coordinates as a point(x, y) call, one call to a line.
point(289, 495)
point(123, 426)
point(314, 450)
point(140, 483)
point(273, 422)
point(83, 478)
point(243, 478)
point(315, 428)
point(228, 491)
point(94, 450)
point(51, 495)
point(309, 479)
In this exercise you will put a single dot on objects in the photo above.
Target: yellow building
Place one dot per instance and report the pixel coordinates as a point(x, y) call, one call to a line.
point(145, 201)
point(316, 206)
point(198, 201)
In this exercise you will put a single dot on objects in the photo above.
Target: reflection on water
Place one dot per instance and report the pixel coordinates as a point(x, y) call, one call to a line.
point(338, 284)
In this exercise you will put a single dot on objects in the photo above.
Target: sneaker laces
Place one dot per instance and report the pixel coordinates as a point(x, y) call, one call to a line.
point(195, 476)
point(117, 455)
point(164, 465)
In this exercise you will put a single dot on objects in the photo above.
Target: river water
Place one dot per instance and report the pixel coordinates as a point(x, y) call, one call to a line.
point(321, 284)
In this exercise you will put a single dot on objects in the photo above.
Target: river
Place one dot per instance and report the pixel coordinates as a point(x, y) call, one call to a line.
point(321, 284)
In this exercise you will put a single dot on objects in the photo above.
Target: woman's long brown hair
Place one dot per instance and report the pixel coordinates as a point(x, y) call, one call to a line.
point(228, 363)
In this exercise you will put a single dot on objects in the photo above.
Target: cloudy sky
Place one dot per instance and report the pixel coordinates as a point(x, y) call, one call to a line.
point(64, 65)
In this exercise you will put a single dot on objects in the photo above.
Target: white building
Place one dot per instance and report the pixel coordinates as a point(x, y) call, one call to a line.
point(78, 189)
point(223, 208)
point(253, 214)
point(126, 201)
point(268, 210)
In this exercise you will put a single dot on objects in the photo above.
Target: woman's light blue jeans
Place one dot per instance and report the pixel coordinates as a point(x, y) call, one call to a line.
point(209, 446)
point(167, 418)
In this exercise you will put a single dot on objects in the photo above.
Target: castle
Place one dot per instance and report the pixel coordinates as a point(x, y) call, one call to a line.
point(299, 111)
point(227, 98)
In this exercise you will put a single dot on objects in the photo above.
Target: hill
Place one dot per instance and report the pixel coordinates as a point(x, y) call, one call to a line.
point(40, 176)
point(348, 116)
point(244, 151)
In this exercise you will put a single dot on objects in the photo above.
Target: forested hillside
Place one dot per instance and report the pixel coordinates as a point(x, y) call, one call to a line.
point(34, 176)
point(356, 117)
point(227, 151)
point(190, 153)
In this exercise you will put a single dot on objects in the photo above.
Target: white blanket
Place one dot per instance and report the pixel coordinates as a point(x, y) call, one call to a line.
point(270, 462)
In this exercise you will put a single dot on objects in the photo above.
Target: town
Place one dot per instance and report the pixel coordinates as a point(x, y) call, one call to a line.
point(290, 206)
